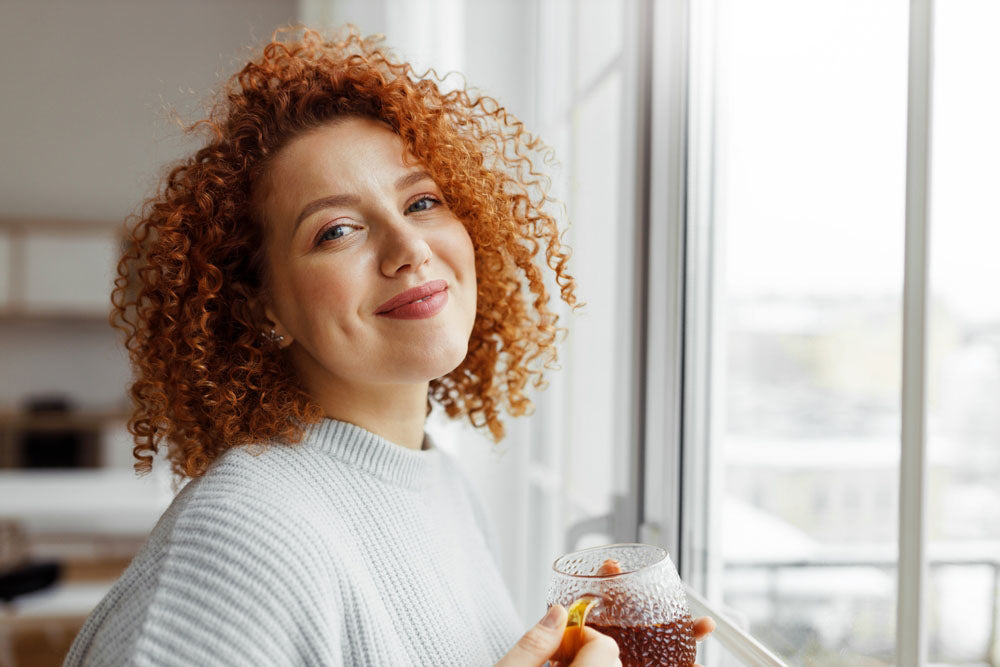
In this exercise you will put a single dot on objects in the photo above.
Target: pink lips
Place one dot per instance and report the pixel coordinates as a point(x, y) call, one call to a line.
point(426, 300)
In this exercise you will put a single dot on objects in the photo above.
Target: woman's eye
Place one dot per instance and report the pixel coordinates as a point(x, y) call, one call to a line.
point(333, 233)
point(422, 204)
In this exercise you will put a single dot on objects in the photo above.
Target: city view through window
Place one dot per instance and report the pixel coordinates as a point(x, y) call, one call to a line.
point(810, 165)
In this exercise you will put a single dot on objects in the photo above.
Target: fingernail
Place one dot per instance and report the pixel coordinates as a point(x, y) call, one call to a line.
point(551, 619)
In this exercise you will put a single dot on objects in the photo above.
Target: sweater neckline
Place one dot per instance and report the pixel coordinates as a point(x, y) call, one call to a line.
point(372, 453)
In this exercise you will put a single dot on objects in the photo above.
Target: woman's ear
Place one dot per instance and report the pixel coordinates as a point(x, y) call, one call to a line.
point(271, 326)
point(277, 333)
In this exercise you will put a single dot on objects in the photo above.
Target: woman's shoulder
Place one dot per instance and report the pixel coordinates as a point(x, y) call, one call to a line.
point(234, 557)
point(242, 521)
point(267, 488)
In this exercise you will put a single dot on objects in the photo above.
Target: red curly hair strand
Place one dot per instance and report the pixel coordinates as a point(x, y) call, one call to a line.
point(205, 380)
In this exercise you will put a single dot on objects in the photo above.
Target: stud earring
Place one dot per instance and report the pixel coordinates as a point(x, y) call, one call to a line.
point(273, 336)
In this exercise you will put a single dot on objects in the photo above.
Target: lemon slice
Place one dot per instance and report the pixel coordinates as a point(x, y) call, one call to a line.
point(572, 637)
point(578, 610)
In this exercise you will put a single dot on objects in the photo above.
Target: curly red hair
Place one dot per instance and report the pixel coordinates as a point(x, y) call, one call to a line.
point(204, 379)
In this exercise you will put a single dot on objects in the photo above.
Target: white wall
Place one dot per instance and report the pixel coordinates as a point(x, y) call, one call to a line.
point(85, 132)
point(488, 41)
point(84, 125)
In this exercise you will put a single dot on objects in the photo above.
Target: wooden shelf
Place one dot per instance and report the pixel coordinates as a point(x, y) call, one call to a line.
point(61, 421)
point(60, 226)
point(51, 316)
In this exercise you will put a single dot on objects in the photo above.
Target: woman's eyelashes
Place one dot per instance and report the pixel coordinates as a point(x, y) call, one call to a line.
point(339, 230)
point(424, 203)
point(333, 232)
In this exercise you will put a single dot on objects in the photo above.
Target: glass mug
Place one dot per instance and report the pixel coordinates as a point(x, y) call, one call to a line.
point(630, 592)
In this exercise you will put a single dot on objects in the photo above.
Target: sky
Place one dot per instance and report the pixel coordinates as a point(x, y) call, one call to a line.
point(811, 150)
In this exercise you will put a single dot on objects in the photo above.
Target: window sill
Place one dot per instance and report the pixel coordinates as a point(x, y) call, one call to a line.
point(742, 646)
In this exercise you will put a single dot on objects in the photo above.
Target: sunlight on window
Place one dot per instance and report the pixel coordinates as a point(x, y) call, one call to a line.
point(811, 132)
point(964, 358)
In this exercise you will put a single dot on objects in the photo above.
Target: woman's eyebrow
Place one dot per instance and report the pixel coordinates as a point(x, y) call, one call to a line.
point(332, 201)
point(412, 178)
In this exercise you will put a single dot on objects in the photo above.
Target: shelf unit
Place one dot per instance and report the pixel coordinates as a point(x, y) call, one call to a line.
point(87, 249)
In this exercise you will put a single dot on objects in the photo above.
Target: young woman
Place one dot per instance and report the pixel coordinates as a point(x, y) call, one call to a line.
point(349, 244)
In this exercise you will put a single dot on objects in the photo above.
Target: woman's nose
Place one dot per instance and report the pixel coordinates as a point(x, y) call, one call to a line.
point(403, 248)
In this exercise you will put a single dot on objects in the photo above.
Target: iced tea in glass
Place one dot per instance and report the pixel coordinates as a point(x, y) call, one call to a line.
point(630, 592)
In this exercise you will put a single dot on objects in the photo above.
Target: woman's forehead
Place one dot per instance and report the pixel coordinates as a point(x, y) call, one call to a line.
point(347, 151)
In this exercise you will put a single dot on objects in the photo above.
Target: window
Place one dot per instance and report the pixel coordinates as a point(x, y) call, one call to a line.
point(802, 277)
point(963, 418)
point(794, 336)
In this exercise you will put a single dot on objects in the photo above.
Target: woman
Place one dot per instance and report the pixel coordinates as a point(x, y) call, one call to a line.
point(350, 243)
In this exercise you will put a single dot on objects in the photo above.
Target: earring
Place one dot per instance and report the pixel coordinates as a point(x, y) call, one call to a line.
point(273, 336)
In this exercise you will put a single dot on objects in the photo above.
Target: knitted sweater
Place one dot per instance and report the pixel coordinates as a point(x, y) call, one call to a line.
point(344, 549)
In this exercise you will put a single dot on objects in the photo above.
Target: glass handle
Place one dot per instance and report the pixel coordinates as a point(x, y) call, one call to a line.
point(572, 638)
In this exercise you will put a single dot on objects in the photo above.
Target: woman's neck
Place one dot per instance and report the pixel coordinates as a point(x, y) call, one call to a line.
point(394, 412)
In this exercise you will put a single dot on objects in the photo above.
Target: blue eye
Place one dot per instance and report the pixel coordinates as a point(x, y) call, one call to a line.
point(422, 204)
point(333, 233)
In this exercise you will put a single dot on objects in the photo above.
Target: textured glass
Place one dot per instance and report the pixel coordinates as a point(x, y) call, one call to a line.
point(643, 606)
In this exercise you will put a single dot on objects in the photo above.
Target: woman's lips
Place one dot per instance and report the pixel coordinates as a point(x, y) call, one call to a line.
point(418, 310)
point(417, 303)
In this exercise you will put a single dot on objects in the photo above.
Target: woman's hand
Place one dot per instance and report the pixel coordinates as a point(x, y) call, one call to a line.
point(540, 642)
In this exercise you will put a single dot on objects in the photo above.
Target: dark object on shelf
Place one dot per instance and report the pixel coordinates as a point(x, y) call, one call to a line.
point(48, 438)
point(52, 449)
point(25, 579)
point(45, 404)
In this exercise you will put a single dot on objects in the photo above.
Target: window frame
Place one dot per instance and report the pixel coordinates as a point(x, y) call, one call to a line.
point(911, 635)
point(677, 50)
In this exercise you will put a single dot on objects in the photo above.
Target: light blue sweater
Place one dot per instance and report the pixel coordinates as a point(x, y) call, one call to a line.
point(344, 549)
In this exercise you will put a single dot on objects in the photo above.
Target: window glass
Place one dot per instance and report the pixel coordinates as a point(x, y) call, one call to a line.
point(963, 420)
point(807, 227)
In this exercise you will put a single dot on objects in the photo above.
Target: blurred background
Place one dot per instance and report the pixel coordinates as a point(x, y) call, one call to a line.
point(733, 178)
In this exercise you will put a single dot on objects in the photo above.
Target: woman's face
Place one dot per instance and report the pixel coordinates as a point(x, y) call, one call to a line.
point(351, 230)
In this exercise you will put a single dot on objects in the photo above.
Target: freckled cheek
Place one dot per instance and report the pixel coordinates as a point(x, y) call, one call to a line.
point(325, 295)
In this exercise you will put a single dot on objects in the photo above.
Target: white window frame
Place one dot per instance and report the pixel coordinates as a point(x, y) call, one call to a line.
point(911, 635)
point(679, 54)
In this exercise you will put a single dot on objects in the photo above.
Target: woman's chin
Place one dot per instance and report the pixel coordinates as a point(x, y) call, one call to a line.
point(442, 370)
point(439, 359)
point(449, 369)
point(420, 368)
